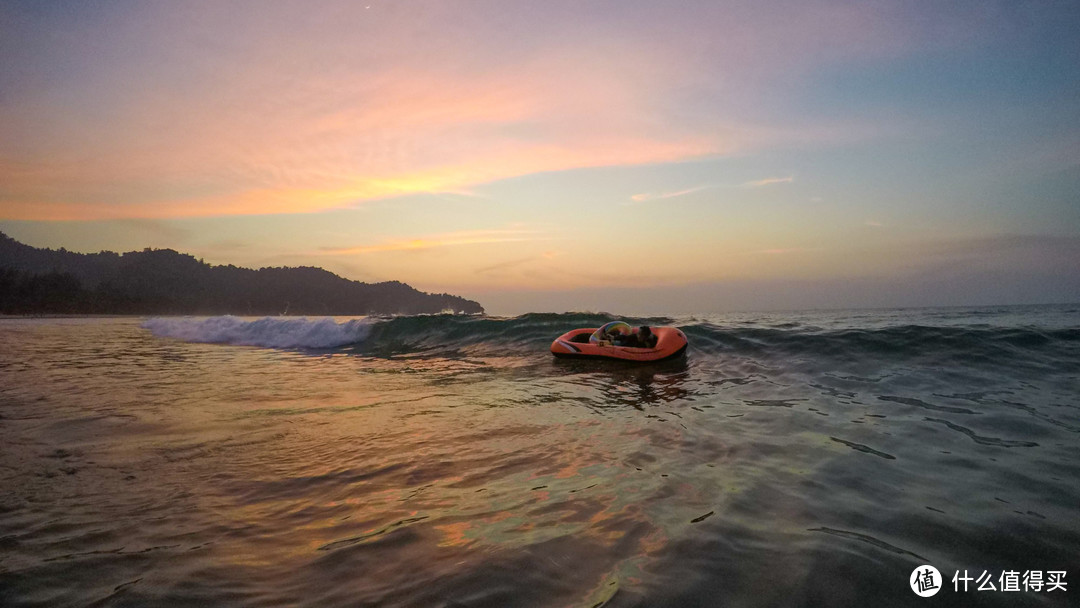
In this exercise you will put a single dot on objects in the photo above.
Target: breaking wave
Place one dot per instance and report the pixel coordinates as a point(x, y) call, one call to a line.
point(271, 332)
point(529, 334)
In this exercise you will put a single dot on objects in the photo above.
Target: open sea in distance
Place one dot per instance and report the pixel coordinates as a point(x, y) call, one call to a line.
point(790, 459)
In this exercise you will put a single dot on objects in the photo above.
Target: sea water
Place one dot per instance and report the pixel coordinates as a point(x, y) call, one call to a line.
point(789, 459)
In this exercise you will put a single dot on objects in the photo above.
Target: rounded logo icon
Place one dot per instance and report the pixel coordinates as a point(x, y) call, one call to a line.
point(925, 581)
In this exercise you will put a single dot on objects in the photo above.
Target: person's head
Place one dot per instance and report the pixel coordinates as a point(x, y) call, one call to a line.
point(644, 331)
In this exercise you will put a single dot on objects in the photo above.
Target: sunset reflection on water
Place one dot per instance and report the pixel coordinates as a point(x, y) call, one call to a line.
point(151, 471)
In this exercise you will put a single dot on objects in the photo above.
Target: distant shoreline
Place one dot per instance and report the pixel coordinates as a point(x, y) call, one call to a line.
point(5, 317)
point(37, 281)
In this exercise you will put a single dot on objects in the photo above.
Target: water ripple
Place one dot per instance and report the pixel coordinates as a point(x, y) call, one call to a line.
point(1004, 443)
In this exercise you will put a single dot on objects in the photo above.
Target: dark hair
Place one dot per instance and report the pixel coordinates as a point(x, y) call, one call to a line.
point(644, 329)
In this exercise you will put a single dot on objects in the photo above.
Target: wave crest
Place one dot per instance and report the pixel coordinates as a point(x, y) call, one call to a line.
point(527, 335)
point(268, 332)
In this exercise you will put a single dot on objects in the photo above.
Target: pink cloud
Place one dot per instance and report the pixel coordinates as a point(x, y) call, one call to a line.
point(300, 111)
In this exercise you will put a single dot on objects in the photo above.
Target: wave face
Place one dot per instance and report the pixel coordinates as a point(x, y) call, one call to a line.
point(943, 336)
point(377, 335)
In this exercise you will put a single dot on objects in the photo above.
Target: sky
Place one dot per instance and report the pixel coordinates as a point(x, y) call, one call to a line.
point(625, 156)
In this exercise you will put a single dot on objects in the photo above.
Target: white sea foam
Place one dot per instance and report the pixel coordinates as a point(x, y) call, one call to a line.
point(272, 332)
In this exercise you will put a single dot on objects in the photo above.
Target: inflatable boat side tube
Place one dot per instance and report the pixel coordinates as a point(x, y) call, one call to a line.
point(670, 342)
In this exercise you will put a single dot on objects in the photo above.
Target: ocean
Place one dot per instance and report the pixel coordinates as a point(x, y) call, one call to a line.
point(790, 459)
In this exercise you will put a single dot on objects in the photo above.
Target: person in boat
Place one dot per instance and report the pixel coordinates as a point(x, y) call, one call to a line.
point(640, 338)
point(646, 337)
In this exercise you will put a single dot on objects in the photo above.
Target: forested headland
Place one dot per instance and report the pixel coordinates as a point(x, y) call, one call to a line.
point(163, 281)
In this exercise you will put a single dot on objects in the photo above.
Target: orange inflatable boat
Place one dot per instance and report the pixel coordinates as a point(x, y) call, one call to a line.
point(590, 343)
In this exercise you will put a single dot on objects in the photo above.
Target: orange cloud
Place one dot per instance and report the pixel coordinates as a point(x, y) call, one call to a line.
point(301, 111)
point(335, 141)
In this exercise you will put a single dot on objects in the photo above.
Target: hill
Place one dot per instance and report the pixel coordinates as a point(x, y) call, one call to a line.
point(162, 281)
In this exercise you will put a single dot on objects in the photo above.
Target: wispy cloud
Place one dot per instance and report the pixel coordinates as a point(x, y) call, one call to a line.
point(449, 239)
point(334, 137)
point(768, 181)
point(501, 267)
point(789, 250)
point(309, 111)
point(651, 196)
point(506, 265)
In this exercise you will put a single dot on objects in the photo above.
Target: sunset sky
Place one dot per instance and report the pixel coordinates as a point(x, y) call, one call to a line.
point(633, 157)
